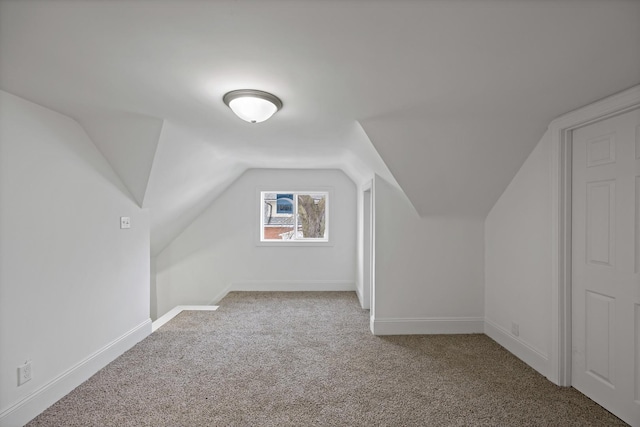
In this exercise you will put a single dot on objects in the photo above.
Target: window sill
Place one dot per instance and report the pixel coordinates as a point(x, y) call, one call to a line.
point(298, 243)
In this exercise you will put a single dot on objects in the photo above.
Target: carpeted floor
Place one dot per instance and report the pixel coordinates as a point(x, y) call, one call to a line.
point(308, 359)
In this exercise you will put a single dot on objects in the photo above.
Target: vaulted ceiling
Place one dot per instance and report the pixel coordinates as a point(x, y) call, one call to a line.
point(445, 97)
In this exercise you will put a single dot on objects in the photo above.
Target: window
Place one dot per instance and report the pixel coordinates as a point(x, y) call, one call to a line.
point(294, 216)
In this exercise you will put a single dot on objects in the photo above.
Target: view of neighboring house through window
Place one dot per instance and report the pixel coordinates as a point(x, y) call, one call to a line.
point(294, 216)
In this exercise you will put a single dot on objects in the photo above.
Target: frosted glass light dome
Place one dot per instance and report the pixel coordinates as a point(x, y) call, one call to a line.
point(253, 106)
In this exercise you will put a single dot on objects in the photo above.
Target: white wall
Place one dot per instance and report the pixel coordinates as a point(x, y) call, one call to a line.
point(429, 271)
point(219, 250)
point(518, 261)
point(74, 288)
point(153, 296)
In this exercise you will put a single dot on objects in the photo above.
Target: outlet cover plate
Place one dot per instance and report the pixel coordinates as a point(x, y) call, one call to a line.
point(515, 329)
point(24, 373)
point(125, 222)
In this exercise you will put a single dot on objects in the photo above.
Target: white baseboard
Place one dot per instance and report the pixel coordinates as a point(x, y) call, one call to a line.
point(220, 295)
point(427, 326)
point(177, 310)
point(523, 351)
point(293, 285)
point(360, 297)
point(28, 408)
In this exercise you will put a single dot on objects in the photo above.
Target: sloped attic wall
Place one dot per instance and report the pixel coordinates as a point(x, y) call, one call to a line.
point(74, 288)
point(524, 236)
point(219, 251)
point(518, 261)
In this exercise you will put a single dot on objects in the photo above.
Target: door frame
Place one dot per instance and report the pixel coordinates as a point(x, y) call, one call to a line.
point(367, 246)
point(561, 157)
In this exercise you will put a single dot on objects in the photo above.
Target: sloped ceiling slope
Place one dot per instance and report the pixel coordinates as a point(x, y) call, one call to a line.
point(128, 141)
point(490, 77)
point(452, 94)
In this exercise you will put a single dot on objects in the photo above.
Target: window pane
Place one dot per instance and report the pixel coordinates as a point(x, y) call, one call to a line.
point(311, 216)
point(296, 216)
point(278, 219)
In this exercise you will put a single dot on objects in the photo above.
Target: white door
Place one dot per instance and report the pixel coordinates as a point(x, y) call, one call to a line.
point(605, 261)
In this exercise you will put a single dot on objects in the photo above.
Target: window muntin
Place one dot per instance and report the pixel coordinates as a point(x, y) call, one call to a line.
point(294, 216)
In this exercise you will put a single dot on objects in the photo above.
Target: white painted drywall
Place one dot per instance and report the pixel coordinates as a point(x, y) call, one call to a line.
point(220, 247)
point(128, 142)
point(152, 291)
point(518, 260)
point(71, 282)
point(426, 268)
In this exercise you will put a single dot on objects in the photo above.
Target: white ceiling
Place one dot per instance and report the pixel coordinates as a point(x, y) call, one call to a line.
point(452, 94)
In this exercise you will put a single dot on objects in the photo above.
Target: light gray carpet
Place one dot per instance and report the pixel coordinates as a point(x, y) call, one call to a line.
point(308, 359)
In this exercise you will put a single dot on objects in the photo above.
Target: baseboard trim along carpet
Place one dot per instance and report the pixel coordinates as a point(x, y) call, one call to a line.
point(28, 408)
point(523, 351)
point(427, 326)
point(287, 286)
point(177, 310)
point(293, 285)
point(360, 296)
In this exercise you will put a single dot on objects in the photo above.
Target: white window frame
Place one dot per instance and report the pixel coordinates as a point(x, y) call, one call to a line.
point(328, 192)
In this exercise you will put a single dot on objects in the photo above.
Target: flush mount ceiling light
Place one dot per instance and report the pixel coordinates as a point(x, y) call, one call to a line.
point(253, 106)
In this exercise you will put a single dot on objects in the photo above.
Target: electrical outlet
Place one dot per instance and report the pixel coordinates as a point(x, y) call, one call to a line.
point(125, 222)
point(24, 373)
point(515, 329)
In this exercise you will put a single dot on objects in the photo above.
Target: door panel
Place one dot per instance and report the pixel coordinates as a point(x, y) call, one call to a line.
point(637, 233)
point(605, 263)
point(637, 142)
point(601, 150)
point(601, 222)
point(599, 355)
point(637, 354)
